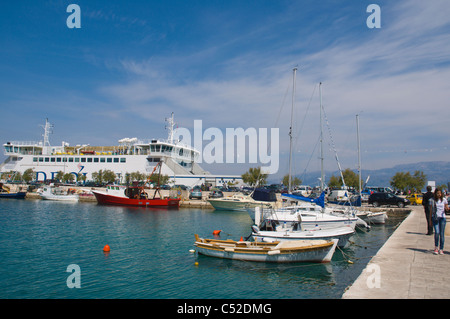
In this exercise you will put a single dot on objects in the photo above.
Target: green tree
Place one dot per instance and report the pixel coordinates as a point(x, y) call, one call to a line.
point(163, 179)
point(109, 176)
point(59, 176)
point(350, 177)
point(295, 181)
point(335, 182)
point(104, 176)
point(254, 176)
point(68, 177)
point(405, 181)
point(28, 175)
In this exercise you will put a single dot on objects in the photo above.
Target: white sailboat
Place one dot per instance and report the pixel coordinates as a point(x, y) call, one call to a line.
point(311, 214)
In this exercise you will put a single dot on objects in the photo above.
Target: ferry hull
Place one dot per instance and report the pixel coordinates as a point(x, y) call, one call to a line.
point(106, 199)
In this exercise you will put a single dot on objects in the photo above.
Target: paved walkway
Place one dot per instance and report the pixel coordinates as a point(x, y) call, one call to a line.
point(405, 266)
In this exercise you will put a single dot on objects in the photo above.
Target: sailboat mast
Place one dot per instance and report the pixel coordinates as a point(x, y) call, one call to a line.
point(290, 131)
point(322, 175)
point(359, 153)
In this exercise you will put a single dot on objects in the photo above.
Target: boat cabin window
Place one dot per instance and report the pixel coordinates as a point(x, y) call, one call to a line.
point(96, 160)
point(70, 159)
point(102, 160)
point(123, 160)
point(109, 160)
point(116, 160)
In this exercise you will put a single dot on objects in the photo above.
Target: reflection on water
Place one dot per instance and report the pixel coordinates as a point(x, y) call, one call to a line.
point(150, 256)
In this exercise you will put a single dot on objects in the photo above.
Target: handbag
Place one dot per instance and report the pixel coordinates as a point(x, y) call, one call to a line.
point(434, 217)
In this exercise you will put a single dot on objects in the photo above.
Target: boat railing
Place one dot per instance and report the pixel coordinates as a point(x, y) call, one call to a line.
point(23, 143)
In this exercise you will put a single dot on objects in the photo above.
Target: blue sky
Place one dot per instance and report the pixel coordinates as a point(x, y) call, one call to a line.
point(229, 64)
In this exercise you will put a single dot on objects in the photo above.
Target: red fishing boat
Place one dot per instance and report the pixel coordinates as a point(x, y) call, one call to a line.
point(133, 196)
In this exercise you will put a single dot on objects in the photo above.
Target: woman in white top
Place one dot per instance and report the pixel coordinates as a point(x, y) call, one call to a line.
point(438, 206)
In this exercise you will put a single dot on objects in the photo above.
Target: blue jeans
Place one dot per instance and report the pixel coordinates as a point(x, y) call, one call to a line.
point(439, 232)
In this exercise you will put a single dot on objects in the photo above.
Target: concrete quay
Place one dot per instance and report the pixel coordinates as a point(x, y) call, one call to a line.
point(405, 266)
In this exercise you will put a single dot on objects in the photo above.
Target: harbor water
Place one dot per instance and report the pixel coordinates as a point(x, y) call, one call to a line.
point(150, 255)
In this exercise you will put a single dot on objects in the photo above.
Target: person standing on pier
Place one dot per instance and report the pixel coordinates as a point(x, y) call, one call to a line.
point(438, 205)
point(429, 194)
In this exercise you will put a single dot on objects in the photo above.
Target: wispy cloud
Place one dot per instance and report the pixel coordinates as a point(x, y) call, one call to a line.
point(396, 76)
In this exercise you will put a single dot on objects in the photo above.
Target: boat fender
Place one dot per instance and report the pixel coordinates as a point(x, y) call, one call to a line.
point(255, 229)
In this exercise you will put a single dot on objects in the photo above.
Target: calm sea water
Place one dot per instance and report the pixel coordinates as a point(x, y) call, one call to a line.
point(150, 256)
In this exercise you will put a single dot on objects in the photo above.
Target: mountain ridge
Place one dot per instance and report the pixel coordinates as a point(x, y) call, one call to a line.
point(438, 171)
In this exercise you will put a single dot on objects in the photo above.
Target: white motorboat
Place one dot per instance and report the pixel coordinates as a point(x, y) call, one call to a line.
point(310, 215)
point(373, 217)
point(286, 232)
point(52, 192)
point(237, 202)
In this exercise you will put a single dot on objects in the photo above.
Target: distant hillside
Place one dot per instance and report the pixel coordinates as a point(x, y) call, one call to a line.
point(435, 171)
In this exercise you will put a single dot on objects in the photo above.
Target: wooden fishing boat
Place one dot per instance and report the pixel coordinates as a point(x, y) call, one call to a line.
point(320, 251)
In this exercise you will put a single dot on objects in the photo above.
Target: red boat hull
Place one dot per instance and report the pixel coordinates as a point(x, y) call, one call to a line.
point(106, 199)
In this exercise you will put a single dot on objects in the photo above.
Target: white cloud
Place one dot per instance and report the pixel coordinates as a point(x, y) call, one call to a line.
point(396, 76)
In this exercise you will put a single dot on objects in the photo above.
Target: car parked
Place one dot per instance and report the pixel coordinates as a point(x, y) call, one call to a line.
point(415, 199)
point(378, 199)
point(196, 192)
point(216, 194)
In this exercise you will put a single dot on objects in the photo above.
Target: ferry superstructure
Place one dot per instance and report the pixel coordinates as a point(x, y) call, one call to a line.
point(131, 155)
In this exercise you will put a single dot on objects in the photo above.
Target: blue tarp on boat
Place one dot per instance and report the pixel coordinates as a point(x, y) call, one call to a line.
point(319, 200)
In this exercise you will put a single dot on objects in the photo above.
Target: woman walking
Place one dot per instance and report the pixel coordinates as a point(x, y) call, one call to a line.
point(438, 206)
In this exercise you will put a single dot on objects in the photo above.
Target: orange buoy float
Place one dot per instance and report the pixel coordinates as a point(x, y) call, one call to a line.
point(106, 248)
point(216, 232)
point(241, 239)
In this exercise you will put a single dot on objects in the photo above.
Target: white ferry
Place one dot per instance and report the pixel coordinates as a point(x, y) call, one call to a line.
point(131, 155)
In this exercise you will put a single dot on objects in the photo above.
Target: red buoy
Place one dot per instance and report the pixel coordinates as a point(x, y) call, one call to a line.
point(216, 232)
point(106, 248)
